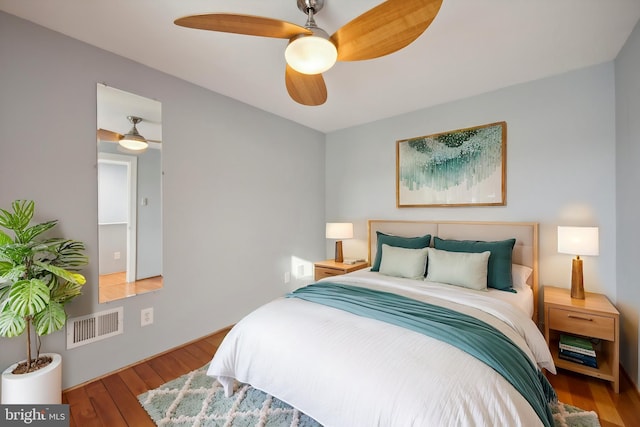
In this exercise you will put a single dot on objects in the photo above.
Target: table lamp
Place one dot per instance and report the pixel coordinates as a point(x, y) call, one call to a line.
point(577, 241)
point(339, 230)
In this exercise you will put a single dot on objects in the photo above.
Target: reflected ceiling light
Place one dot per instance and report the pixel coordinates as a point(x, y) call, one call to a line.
point(132, 140)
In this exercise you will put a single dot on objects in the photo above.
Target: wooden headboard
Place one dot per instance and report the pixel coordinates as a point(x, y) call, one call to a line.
point(525, 251)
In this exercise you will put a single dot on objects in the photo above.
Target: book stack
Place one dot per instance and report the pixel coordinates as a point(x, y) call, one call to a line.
point(578, 350)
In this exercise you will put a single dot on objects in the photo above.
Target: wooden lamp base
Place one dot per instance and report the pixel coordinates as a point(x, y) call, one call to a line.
point(577, 284)
point(339, 257)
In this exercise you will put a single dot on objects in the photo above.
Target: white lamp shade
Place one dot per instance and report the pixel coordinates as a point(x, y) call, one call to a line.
point(339, 230)
point(578, 240)
point(311, 54)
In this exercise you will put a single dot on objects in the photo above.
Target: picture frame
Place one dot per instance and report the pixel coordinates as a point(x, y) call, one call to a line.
point(464, 167)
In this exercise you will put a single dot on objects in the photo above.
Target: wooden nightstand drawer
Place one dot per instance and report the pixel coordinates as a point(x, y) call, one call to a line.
point(586, 324)
point(322, 272)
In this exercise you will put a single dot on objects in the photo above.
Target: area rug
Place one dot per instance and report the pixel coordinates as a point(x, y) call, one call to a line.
point(195, 399)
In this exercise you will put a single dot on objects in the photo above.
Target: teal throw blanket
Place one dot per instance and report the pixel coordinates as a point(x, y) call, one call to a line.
point(465, 332)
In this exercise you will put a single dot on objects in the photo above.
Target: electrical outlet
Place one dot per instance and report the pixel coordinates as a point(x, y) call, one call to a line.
point(287, 277)
point(116, 255)
point(146, 316)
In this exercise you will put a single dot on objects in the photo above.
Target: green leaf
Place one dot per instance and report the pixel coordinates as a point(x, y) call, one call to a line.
point(5, 268)
point(11, 273)
point(20, 218)
point(28, 297)
point(34, 231)
point(51, 319)
point(15, 253)
point(70, 255)
point(11, 324)
point(62, 273)
point(5, 288)
point(65, 291)
point(5, 239)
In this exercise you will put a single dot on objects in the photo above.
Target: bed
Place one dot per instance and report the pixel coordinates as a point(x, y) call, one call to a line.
point(387, 346)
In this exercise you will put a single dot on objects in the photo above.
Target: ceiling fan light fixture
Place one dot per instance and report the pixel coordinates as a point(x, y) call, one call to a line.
point(133, 141)
point(311, 54)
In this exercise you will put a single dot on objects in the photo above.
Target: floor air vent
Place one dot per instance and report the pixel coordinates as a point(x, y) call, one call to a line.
point(94, 327)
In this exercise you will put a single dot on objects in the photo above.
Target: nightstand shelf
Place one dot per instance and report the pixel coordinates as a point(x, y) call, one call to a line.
point(330, 268)
point(604, 370)
point(594, 318)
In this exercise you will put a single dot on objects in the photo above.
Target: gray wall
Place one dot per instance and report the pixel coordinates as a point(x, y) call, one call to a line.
point(112, 238)
point(627, 200)
point(243, 191)
point(149, 225)
point(113, 217)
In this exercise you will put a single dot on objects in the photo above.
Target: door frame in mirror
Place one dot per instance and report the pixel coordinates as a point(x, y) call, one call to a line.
point(131, 163)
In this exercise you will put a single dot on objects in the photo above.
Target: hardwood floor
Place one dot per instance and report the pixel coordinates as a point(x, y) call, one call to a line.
point(115, 286)
point(111, 400)
point(592, 394)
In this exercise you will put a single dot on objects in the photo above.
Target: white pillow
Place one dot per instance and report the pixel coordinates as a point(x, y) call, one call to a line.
point(403, 262)
point(520, 275)
point(458, 268)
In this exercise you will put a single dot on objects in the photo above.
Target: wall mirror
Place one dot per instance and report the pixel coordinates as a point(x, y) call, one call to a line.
point(129, 137)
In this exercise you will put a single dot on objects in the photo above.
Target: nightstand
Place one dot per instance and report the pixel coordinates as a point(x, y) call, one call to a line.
point(330, 268)
point(593, 317)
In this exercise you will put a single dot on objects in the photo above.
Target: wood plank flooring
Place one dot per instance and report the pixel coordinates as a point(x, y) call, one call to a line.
point(111, 400)
point(592, 394)
point(115, 286)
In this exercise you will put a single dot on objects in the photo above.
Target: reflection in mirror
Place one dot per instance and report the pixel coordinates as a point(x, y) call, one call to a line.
point(129, 194)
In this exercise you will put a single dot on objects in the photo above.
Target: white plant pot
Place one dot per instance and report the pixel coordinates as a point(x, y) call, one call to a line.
point(41, 387)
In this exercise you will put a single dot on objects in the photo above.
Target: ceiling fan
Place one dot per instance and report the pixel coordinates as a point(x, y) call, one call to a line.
point(132, 141)
point(380, 31)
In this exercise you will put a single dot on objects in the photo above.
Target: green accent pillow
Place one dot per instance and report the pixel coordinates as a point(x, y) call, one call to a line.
point(398, 241)
point(499, 268)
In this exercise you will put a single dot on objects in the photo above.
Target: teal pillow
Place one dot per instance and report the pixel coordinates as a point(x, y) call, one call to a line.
point(500, 260)
point(398, 241)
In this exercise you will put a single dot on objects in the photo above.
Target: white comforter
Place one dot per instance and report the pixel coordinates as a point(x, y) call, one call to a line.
point(346, 370)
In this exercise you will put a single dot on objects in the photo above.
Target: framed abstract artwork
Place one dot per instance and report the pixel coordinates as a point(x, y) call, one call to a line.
point(464, 167)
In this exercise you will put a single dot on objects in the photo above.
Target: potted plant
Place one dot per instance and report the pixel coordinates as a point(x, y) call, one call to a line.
point(38, 276)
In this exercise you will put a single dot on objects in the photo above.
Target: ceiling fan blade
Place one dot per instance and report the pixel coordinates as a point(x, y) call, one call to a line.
point(242, 24)
point(111, 136)
point(305, 89)
point(384, 29)
point(108, 135)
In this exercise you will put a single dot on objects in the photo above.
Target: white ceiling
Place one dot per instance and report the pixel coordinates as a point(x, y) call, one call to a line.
point(472, 47)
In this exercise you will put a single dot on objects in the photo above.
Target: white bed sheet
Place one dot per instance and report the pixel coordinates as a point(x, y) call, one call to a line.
point(346, 370)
